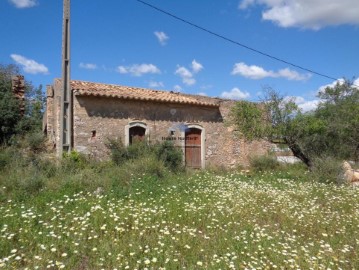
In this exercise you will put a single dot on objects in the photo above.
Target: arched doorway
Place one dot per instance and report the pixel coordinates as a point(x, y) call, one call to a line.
point(193, 145)
point(136, 133)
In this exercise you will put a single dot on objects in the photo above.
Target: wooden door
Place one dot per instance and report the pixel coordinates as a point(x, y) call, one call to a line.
point(193, 148)
point(137, 134)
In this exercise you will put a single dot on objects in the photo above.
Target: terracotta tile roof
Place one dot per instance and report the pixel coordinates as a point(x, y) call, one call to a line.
point(81, 88)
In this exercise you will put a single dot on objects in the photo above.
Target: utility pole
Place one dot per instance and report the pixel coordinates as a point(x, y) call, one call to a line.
point(66, 94)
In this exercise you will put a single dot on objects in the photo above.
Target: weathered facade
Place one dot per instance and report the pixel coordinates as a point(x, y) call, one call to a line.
point(196, 124)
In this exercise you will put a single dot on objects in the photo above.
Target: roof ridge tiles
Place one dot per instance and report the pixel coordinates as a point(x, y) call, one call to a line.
point(137, 93)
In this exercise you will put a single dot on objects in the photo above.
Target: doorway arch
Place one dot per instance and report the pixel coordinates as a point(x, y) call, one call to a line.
point(135, 131)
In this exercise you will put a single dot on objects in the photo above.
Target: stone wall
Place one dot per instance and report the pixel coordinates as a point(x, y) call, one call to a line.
point(98, 119)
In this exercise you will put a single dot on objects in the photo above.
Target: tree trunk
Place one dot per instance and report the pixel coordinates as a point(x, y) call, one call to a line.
point(297, 152)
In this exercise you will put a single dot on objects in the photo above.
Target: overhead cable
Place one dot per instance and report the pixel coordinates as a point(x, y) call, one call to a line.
point(235, 42)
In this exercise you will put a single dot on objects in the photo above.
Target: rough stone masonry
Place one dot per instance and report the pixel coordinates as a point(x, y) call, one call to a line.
point(198, 125)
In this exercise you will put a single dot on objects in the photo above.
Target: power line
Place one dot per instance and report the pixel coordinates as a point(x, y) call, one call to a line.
point(235, 42)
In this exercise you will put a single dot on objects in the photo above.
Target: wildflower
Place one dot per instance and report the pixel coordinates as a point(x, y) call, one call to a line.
point(199, 263)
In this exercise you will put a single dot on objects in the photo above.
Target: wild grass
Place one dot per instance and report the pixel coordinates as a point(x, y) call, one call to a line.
point(142, 220)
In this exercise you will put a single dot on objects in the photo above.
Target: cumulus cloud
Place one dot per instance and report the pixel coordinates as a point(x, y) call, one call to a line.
point(188, 75)
point(356, 83)
point(305, 105)
point(196, 67)
point(154, 84)
point(24, 3)
point(257, 73)
point(29, 65)
point(202, 94)
point(138, 69)
point(312, 14)
point(88, 66)
point(331, 85)
point(177, 88)
point(235, 93)
point(162, 37)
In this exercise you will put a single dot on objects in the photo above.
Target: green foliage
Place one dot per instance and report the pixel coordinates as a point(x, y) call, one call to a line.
point(165, 153)
point(264, 163)
point(327, 170)
point(330, 130)
point(203, 221)
point(11, 121)
point(249, 117)
point(170, 155)
point(9, 106)
point(35, 141)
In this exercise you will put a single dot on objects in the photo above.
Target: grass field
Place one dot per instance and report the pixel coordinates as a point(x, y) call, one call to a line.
point(197, 221)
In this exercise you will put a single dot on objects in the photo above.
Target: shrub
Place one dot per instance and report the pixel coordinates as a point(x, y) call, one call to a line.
point(264, 163)
point(327, 170)
point(119, 152)
point(5, 159)
point(35, 141)
point(74, 161)
point(165, 152)
point(170, 155)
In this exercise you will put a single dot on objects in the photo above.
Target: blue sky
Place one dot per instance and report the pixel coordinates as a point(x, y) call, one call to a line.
point(125, 42)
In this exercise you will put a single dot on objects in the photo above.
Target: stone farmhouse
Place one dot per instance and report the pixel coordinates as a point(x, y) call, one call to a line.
point(198, 125)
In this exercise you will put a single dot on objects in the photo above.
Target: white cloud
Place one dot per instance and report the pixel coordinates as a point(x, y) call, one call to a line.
point(196, 67)
point(138, 70)
point(162, 37)
point(235, 93)
point(24, 3)
point(257, 73)
point(331, 85)
point(303, 104)
point(29, 65)
point(186, 75)
point(154, 84)
point(202, 94)
point(312, 14)
point(177, 88)
point(88, 66)
point(308, 105)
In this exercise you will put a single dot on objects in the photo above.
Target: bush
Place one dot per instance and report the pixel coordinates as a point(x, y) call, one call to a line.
point(170, 155)
point(118, 151)
point(264, 163)
point(327, 170)
point(165, 152)
point(5, 159)
point(35, 141)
